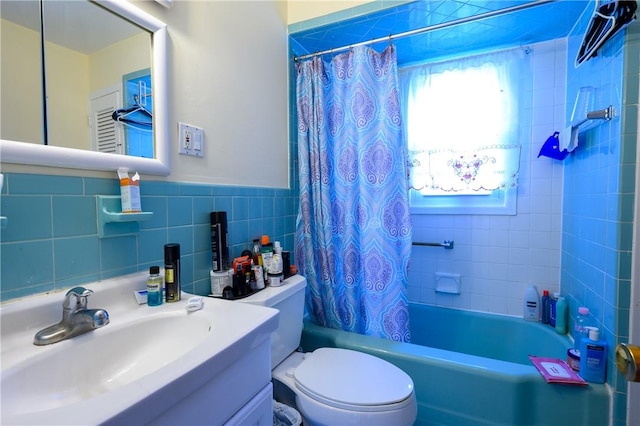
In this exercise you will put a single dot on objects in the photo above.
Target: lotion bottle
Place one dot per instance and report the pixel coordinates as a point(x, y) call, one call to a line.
point(531, 304)
point(593, 357)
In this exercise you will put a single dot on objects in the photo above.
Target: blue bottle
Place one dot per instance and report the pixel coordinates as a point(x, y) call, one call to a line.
point(552, 309)
point(593, 357)
point(546, 306)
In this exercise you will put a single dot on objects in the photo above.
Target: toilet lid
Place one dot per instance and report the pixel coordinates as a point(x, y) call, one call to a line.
point(348, 379)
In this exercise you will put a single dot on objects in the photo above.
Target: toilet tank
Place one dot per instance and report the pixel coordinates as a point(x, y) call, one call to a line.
point(289, 300)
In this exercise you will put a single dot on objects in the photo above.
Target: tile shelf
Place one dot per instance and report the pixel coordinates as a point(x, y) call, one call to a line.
point(111, 220)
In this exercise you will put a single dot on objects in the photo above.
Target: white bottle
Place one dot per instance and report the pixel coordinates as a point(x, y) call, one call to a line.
point(531, 304)
point(276, 263)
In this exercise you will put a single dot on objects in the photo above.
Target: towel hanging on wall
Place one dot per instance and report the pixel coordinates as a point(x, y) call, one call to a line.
point(607, 20)
point(551, 148)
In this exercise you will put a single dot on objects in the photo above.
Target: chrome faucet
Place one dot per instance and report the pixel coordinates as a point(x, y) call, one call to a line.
point(76, 319)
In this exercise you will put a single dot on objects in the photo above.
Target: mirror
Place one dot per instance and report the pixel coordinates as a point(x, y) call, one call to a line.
point(142, 105)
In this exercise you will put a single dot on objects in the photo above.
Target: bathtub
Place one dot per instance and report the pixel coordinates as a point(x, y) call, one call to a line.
point(471, 368)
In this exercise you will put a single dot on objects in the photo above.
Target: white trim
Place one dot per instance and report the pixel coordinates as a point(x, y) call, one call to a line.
point(500, 202)
point(633, 389)
point(27, 153)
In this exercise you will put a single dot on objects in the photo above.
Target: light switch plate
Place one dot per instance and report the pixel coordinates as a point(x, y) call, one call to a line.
point(190, 140)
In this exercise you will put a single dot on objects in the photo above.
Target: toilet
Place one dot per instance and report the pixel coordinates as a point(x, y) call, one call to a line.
point(332, 386)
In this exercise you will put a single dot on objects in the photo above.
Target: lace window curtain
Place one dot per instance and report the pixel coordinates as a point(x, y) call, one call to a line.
point(462, 123)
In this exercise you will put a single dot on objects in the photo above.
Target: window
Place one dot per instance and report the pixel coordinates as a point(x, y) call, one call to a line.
point(462, 132)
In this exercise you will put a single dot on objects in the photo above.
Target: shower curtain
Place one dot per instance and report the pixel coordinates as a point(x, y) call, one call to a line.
point(353, 236)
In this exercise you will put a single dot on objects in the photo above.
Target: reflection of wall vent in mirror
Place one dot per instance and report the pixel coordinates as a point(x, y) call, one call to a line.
point(105, 134)
point(106, 139)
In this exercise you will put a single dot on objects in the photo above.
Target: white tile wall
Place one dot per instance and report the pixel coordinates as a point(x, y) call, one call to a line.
point(498, 256)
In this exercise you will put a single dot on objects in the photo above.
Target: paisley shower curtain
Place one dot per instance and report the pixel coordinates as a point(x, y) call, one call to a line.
point(353, 236)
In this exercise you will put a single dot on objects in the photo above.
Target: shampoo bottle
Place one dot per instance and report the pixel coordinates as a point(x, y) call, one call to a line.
point(531, 304)
point(545, 307)
point(561, 315)
point(552, 309)
point(593, 357)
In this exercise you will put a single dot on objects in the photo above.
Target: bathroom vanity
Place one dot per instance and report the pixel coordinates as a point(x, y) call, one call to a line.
point(149, 365)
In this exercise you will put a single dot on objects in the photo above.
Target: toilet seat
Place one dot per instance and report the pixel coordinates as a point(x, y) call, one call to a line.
point(353, 381)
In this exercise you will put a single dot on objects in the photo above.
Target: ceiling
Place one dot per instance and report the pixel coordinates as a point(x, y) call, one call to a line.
point(78, 25)
point(535, 24)
point(68, 21)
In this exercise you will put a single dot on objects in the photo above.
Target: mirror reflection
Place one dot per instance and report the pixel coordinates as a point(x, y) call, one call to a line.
point(21, 72)
point(97, 82)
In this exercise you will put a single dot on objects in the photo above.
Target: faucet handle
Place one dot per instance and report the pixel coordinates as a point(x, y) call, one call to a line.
point(76, 298)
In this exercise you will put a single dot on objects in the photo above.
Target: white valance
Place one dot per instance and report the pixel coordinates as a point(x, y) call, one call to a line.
point(483, 169)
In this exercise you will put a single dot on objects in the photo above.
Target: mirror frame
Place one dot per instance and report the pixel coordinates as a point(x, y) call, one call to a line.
point(53, 156)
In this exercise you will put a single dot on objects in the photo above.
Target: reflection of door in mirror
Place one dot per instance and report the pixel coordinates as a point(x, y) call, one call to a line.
point(138, 131)
point(88, 50)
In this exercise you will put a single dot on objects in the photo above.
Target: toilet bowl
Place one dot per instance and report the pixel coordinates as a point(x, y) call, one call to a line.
point(332, 386)
point(344, 387)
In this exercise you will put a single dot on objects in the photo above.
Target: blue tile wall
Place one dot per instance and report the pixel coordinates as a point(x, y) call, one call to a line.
point(379, 19)
point(599, 195)
point(51, 241)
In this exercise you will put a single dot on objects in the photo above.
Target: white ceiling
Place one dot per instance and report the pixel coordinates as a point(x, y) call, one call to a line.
point(74, 24)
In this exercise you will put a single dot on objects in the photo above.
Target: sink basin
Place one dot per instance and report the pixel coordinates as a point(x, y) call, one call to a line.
point(97, 376)
point(99, 363)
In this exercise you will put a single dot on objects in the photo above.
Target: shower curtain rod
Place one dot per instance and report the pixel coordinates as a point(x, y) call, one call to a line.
point(430, 28)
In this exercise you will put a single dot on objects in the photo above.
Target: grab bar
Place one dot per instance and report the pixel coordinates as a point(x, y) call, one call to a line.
point(447, 244)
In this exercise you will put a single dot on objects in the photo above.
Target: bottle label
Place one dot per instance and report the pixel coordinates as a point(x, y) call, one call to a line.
point(216, 246)
point(595, 354)
point(168, 275)
point(593, 347)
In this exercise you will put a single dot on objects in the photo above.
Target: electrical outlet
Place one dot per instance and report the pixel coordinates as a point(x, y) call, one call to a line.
point(190, 140)
point(187, 139)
